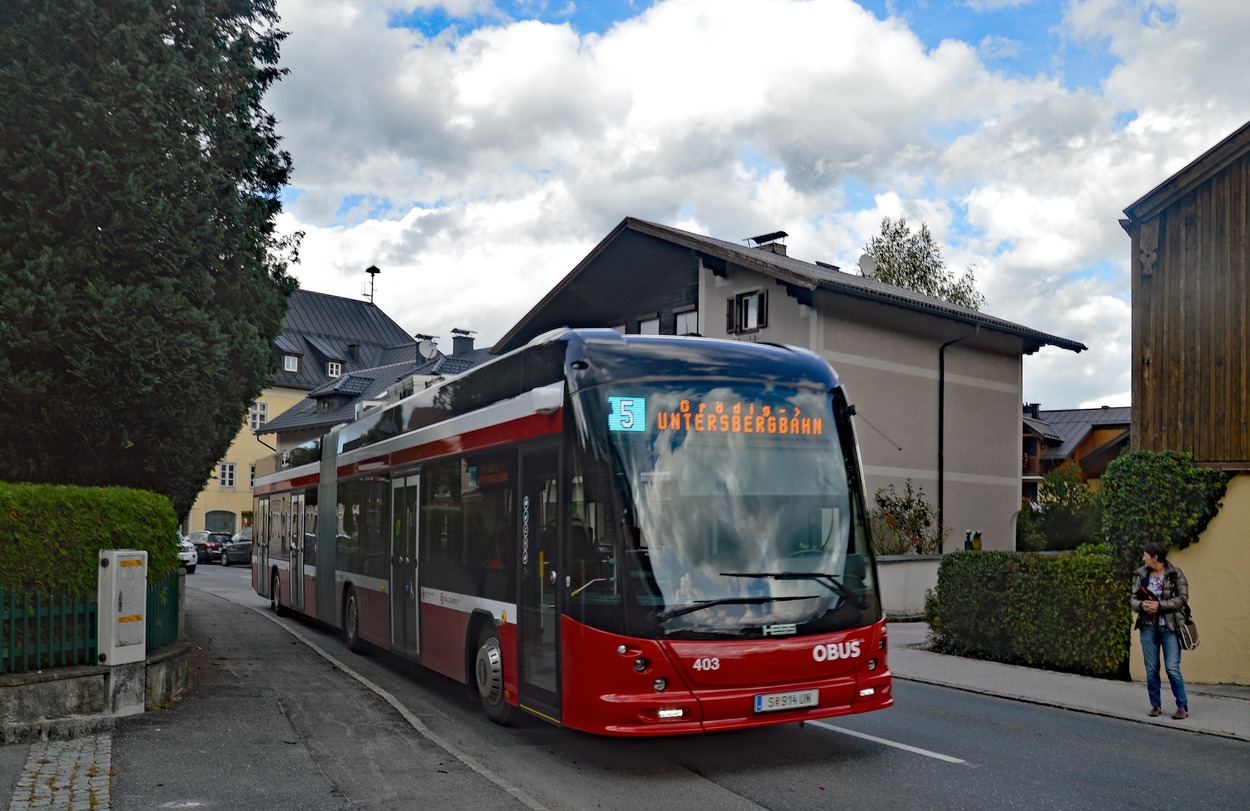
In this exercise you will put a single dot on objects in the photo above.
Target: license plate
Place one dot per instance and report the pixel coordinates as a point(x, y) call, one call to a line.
point(771, 702)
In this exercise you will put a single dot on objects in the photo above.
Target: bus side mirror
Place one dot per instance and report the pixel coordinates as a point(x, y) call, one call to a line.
point(548, 399)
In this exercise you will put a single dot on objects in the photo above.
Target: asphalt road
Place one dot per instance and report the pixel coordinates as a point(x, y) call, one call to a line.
point(280, 715)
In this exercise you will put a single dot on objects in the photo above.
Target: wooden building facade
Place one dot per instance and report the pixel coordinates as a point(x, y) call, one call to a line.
point(1191, 377)
point(1191, 309)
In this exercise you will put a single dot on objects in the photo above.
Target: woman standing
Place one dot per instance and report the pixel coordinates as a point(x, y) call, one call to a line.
point(1160, 593)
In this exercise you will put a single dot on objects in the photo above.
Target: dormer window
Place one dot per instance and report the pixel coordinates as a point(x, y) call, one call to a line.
point(334, 368)
point(290, 363)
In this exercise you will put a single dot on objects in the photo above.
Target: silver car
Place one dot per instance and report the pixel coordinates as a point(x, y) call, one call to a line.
point(186, 554)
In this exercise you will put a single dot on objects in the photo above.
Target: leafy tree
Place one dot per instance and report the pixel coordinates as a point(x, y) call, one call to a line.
point(1163, 496)
point(141, 279)
point(1067, 514)
point(914, 261)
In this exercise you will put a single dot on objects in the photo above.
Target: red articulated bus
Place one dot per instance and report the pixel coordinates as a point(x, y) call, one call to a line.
point(622, 534)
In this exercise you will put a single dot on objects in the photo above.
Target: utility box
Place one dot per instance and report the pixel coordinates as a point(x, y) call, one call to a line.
point(123, 602)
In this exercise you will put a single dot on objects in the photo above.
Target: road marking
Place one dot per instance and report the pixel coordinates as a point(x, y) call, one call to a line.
point(409, 716)
point(913, 749)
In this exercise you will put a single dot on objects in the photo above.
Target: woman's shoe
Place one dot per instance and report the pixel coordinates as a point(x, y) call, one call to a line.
point(1155, 712)
point(1180, 714)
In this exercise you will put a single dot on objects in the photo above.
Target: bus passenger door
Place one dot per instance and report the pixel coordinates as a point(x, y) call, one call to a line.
point(297, 552)
point(405, 630)
point(260, 548)
point(538, 600)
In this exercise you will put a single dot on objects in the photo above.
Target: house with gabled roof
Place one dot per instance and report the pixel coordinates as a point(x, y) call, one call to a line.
point(937, 387)
point(324, 339)
point(345, 398)
point(1088, 439)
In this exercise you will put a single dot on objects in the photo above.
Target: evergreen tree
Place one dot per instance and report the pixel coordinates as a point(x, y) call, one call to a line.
point(914, 261)
point(141, 280)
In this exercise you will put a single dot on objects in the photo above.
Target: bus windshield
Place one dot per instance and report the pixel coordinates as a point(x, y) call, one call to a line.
point(741, 520)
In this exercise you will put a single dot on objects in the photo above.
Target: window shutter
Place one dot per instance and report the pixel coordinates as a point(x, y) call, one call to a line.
point(763, 308)
point(731, 316)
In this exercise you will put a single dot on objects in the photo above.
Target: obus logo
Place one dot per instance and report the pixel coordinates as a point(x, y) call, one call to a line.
point(836, 650)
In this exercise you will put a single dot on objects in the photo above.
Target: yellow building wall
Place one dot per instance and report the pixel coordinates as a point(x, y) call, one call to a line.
point(1218, 570)
point(244, 452)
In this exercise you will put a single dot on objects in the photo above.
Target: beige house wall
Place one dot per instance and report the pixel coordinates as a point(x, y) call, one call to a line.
point(243, 452)
point(1218, 570)
point(888, 361)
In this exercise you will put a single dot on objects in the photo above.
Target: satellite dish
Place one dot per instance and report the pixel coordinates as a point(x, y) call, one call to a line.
point(867, 266)
point(427, 349)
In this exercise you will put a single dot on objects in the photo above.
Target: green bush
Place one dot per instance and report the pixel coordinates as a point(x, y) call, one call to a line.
point(1063, 612)
point(50, 535)
point(1066, 514)
point(1162, 497)
point(905, 524)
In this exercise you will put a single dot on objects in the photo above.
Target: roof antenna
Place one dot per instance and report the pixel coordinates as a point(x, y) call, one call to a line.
point(373, 271)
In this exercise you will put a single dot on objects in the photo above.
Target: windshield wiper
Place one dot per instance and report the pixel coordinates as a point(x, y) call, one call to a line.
point(829, 581)
point(664, 616)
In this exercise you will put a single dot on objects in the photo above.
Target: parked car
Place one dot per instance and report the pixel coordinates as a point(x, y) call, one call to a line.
point(187, 557)
point(239, 550)
point(208, 544)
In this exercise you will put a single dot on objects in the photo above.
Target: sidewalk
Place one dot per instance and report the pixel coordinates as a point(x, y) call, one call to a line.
point(77, 775)
point(1222, 710)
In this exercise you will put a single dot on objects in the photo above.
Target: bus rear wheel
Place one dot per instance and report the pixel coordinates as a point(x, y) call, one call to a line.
point(351, 622)
point(488, 676)
point(275, 596)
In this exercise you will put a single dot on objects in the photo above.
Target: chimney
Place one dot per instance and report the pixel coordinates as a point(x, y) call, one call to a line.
point(1035, 410)
point(768, 242)
point(461, 341)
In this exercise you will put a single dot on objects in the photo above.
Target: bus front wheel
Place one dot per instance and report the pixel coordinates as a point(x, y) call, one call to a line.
point(488, 675)
point(351, 622)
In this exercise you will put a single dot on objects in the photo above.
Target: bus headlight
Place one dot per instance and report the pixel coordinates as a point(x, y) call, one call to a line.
point(641, 664)
point(660, 685)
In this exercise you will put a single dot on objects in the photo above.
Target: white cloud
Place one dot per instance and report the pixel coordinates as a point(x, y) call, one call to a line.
point(476, 166)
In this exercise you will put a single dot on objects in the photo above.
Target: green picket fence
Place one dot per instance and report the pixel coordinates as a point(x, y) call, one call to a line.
point(162, 619)
point(41, 631)
point(38, 631)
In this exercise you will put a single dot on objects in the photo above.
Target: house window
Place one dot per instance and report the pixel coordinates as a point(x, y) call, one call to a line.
point(257, 416)
point(746, 312)
point(687, 323)
point(251, 476)
point(290, 363)
point(225, 475)
point(618, 328)
point(649, 324)
point(334, 368)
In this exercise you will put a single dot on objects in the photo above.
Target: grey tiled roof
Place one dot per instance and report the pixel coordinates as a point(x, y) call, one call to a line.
point(1043, 429)
point(796, 274)
point(320, 327)
point(345, 392)
point(1074, 424)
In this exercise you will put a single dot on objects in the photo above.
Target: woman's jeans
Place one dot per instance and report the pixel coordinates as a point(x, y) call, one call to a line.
point(1154, 637)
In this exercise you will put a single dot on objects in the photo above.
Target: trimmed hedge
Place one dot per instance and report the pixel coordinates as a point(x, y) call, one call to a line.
point(50, 535)
point(1064, 612)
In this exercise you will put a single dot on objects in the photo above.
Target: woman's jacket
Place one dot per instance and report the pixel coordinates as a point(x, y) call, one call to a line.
point(1171, 602)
